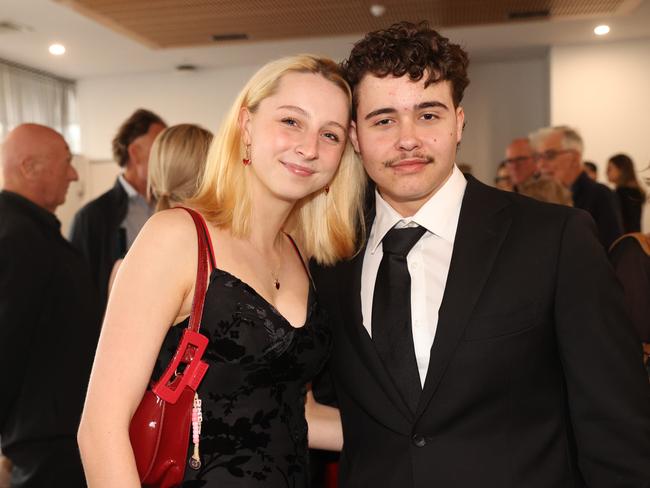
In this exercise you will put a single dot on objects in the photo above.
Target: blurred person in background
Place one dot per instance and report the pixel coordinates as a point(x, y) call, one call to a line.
point(503, 180)
point(520, 162)
point(591, 169)
point(547, 190)
point(630, 256)
point(631, 197)
point(49, 314)
point(558, 151)
point(104, 229)
point(176, 165)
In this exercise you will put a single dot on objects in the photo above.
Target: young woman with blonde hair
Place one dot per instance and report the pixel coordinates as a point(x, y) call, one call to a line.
point(280, 176)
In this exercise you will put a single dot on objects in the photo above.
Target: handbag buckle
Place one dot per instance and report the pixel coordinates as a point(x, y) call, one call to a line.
point(185, 369)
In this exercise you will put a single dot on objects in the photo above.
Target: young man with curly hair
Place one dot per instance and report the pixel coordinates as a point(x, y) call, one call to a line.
point(479, 336)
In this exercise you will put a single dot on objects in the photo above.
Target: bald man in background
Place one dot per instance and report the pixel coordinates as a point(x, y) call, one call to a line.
point(49, 314)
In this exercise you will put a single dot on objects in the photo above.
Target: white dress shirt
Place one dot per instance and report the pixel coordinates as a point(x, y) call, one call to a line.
point(428, 262)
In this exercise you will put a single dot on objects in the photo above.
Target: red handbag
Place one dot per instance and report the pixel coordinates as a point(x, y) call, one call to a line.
point(160, 427)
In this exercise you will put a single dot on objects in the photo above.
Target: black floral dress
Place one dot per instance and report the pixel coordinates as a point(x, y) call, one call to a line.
point(254, 432)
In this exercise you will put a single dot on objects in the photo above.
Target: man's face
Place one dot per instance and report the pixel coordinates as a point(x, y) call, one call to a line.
point(407, 137)
point(141, 148)
point(520, 162)
point(563, 165)
point(53, 172)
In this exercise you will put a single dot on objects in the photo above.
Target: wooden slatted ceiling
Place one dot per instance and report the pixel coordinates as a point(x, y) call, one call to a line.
point(176, 23)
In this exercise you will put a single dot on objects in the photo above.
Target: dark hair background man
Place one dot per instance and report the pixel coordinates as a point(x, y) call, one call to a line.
point(49, 315)
point(479, 336)
point(104, 229)
point(591, 169)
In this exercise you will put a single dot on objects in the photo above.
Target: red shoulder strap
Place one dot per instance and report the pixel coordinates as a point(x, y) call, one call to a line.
point(205, 256)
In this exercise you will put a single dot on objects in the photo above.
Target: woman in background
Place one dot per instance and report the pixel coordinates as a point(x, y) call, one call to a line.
point(280, 176)
point(620, 172)
point(176, 164)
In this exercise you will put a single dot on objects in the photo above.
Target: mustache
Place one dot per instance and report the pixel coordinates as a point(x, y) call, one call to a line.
point(389, 163)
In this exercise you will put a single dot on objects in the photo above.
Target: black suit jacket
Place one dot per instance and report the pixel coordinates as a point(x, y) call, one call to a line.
point(601, 203)
point(49, 326)
point(96, 232)
point(535, 377)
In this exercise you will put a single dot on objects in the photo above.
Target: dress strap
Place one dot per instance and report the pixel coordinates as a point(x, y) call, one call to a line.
point(302, 261)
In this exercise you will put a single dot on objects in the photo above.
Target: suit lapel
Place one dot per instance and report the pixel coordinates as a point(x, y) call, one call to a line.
point(482, 227)
point(350, 298)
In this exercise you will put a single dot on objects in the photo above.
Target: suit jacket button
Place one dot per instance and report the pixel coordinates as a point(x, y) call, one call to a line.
point(419, 441)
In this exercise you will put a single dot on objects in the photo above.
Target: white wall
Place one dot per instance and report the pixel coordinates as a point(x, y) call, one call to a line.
point(505, 100)
point(604, 91)
point(201, 97)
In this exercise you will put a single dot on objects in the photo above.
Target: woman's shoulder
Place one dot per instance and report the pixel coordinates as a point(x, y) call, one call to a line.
point(173, 222)
point(169, 231)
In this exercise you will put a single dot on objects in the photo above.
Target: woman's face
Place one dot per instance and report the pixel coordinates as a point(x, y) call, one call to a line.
point(613, 173)
point(296, 136)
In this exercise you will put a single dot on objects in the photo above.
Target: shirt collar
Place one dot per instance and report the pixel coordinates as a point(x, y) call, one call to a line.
point(130, 191)
point(439, 215)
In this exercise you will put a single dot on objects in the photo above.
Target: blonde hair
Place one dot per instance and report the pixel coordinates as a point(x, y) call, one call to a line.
point(547, 190)
point(176, 163)
point(324, 223)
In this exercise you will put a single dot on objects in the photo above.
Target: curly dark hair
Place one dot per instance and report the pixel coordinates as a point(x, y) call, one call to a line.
point(135, 126)
point(407, 48)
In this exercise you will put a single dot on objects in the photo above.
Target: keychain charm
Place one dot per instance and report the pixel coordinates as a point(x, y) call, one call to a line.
point(197, 418)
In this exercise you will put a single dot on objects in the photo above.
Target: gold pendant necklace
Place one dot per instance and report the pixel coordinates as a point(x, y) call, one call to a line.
point(275, 275)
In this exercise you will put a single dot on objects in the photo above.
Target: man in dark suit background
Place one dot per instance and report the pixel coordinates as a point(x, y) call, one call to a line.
point(104, 229)
point(479, 336)
point(559, 153)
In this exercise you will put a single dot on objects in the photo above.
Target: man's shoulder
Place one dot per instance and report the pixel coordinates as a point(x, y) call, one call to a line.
point(526, 208)
point(598, 189)
point(15, 222)
point(17, 225)
point(23, 240)
point(106, 202)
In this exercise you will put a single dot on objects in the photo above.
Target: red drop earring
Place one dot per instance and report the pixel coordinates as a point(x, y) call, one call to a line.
point(247, 160)
point(327, 189)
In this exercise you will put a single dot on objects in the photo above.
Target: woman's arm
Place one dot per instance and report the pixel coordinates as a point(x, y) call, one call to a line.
point(152, 290)
point(324, 422)
point(111, 278)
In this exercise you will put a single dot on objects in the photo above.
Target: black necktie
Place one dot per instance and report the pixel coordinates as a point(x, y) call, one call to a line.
point(391, 313)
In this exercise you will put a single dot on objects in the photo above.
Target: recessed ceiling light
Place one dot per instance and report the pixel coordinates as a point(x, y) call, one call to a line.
point(377, 10)
point(57, 49)
point(601, 30)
